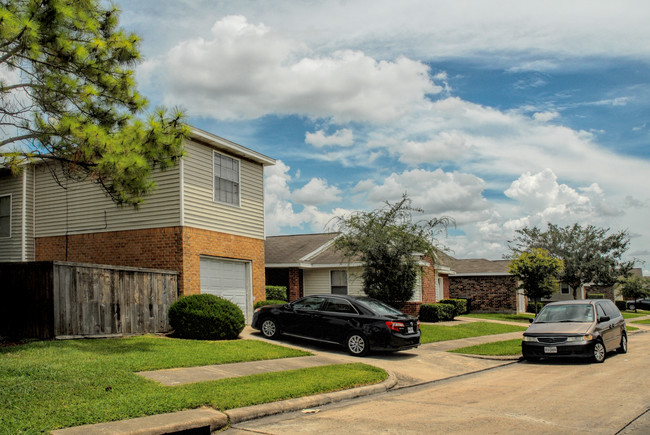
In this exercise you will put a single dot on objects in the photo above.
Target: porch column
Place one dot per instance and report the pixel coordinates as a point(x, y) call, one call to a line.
point(295, 289)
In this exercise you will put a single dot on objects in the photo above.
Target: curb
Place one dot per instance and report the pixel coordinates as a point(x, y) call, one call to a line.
point(238, 415)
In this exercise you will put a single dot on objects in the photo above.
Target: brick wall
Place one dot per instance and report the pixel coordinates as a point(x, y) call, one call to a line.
point(607, 290)
point(172, 248)
point(295, 289)
point(428, 285)
point(487, 293)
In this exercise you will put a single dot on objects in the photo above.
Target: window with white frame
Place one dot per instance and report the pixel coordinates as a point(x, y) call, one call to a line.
point(5, 216)
point(226, 179)
point(564, 288)
point(339, 282)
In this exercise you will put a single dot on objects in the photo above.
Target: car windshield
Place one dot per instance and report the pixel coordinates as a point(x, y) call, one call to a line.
point(380, 307)
point(566, 313)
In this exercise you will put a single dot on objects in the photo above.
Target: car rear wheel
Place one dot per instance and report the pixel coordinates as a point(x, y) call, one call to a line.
point(623, 348)
point(631, 307)
point(357, 344)
point(270, 328)
point(599, 352)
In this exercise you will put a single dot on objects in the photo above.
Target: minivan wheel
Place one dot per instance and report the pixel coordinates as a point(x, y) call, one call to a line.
point(599, 352)
point(623, 348)
point(270, 328)
point(357, 344)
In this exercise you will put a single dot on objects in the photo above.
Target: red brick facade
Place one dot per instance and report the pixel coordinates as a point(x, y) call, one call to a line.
point(487, 293)
point(172, 248)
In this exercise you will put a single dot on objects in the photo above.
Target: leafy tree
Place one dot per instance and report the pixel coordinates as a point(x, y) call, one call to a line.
point(67, 96)
point(635, 287)
point(385, 240)
point(589, 253)
point(538, 273)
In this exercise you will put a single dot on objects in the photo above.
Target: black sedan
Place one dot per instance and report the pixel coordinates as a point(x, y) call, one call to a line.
point(639, 304)
point(360, 324)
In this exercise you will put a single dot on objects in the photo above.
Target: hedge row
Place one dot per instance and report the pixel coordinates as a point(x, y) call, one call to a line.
point(460, 304)
point(437, 312)
point(268, 302)
point(276, 293)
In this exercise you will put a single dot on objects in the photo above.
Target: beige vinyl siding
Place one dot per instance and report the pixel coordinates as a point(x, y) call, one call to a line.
point(12, 186)
point(317, 281)
point(200, 209)
point(28, 227)
point(84, 208)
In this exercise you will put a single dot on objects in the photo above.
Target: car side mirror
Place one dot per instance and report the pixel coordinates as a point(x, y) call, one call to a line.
point(531, 320)
point(603, 319)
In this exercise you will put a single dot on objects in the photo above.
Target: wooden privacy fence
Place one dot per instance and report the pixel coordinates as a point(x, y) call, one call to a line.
point(64, 300)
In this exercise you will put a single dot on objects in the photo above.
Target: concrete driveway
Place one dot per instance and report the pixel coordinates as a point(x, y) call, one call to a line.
point(547, 397)
point(429, 362)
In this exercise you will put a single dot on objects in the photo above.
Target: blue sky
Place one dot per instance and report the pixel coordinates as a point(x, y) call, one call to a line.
point(497, 114)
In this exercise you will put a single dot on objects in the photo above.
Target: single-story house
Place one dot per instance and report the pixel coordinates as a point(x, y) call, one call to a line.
point(485, 283)
point(308, 264)
point(205, 220)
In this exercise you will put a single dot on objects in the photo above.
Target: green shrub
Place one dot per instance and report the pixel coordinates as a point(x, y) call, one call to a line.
point(268, 302)
point(276, 292)
point(206, 317)
point(622, 305)
point(460, 304)
point(596, 296)
point(530, 308)
point(437, 312)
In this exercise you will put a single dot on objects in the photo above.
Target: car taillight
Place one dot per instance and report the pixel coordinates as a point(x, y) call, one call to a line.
point(394, 326)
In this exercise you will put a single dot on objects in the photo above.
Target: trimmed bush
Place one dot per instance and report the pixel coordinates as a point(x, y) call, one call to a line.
point(437, 312)
point(206, 317)
point(276, 292)
point(530, 308)
point(596, 296)
point(268, 302)
point(622, 305)
point(460, 304)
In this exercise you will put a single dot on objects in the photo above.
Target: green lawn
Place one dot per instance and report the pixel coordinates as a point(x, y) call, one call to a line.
point(643, 322)
point(633, 315)
point(46, 385)
point(499, 348)
point(521, 317)
point(432, 333)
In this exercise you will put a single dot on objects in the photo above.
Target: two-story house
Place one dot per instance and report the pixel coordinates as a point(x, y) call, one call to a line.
point(205, 220)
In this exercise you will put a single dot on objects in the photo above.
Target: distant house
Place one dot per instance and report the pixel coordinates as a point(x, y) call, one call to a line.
point(485, 283)
point(205, 220)
point(308, 264)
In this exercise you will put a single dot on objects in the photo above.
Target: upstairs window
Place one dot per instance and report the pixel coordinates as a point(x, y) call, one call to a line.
point(5, 216)
point(226, 179)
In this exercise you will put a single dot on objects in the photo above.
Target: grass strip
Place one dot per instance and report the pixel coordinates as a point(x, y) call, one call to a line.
point(434, 333)
point(498, 348)
point(643, 322)
point(521, 317)
point(633, 315)
point(54, 384)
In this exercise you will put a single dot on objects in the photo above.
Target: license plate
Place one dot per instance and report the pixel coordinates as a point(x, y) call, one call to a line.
point(409, 330)
point(550, 349)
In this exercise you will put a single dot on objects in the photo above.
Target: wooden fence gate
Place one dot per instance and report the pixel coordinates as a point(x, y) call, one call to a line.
point(65, 300)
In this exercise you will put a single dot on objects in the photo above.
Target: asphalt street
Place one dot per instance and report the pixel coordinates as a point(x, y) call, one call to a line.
point(568, 397)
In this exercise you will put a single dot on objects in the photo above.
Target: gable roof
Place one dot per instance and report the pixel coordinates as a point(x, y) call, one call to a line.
point(300, 249)
point(475, 266)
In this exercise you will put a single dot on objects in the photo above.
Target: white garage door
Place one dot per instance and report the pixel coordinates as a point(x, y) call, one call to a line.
point(226, 279)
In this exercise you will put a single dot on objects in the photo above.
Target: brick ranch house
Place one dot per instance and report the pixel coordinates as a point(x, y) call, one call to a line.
point(486, 284)
point(307, 264)
point(205, 220)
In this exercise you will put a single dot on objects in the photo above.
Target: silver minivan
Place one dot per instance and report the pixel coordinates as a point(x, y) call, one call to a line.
point(579, 328)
